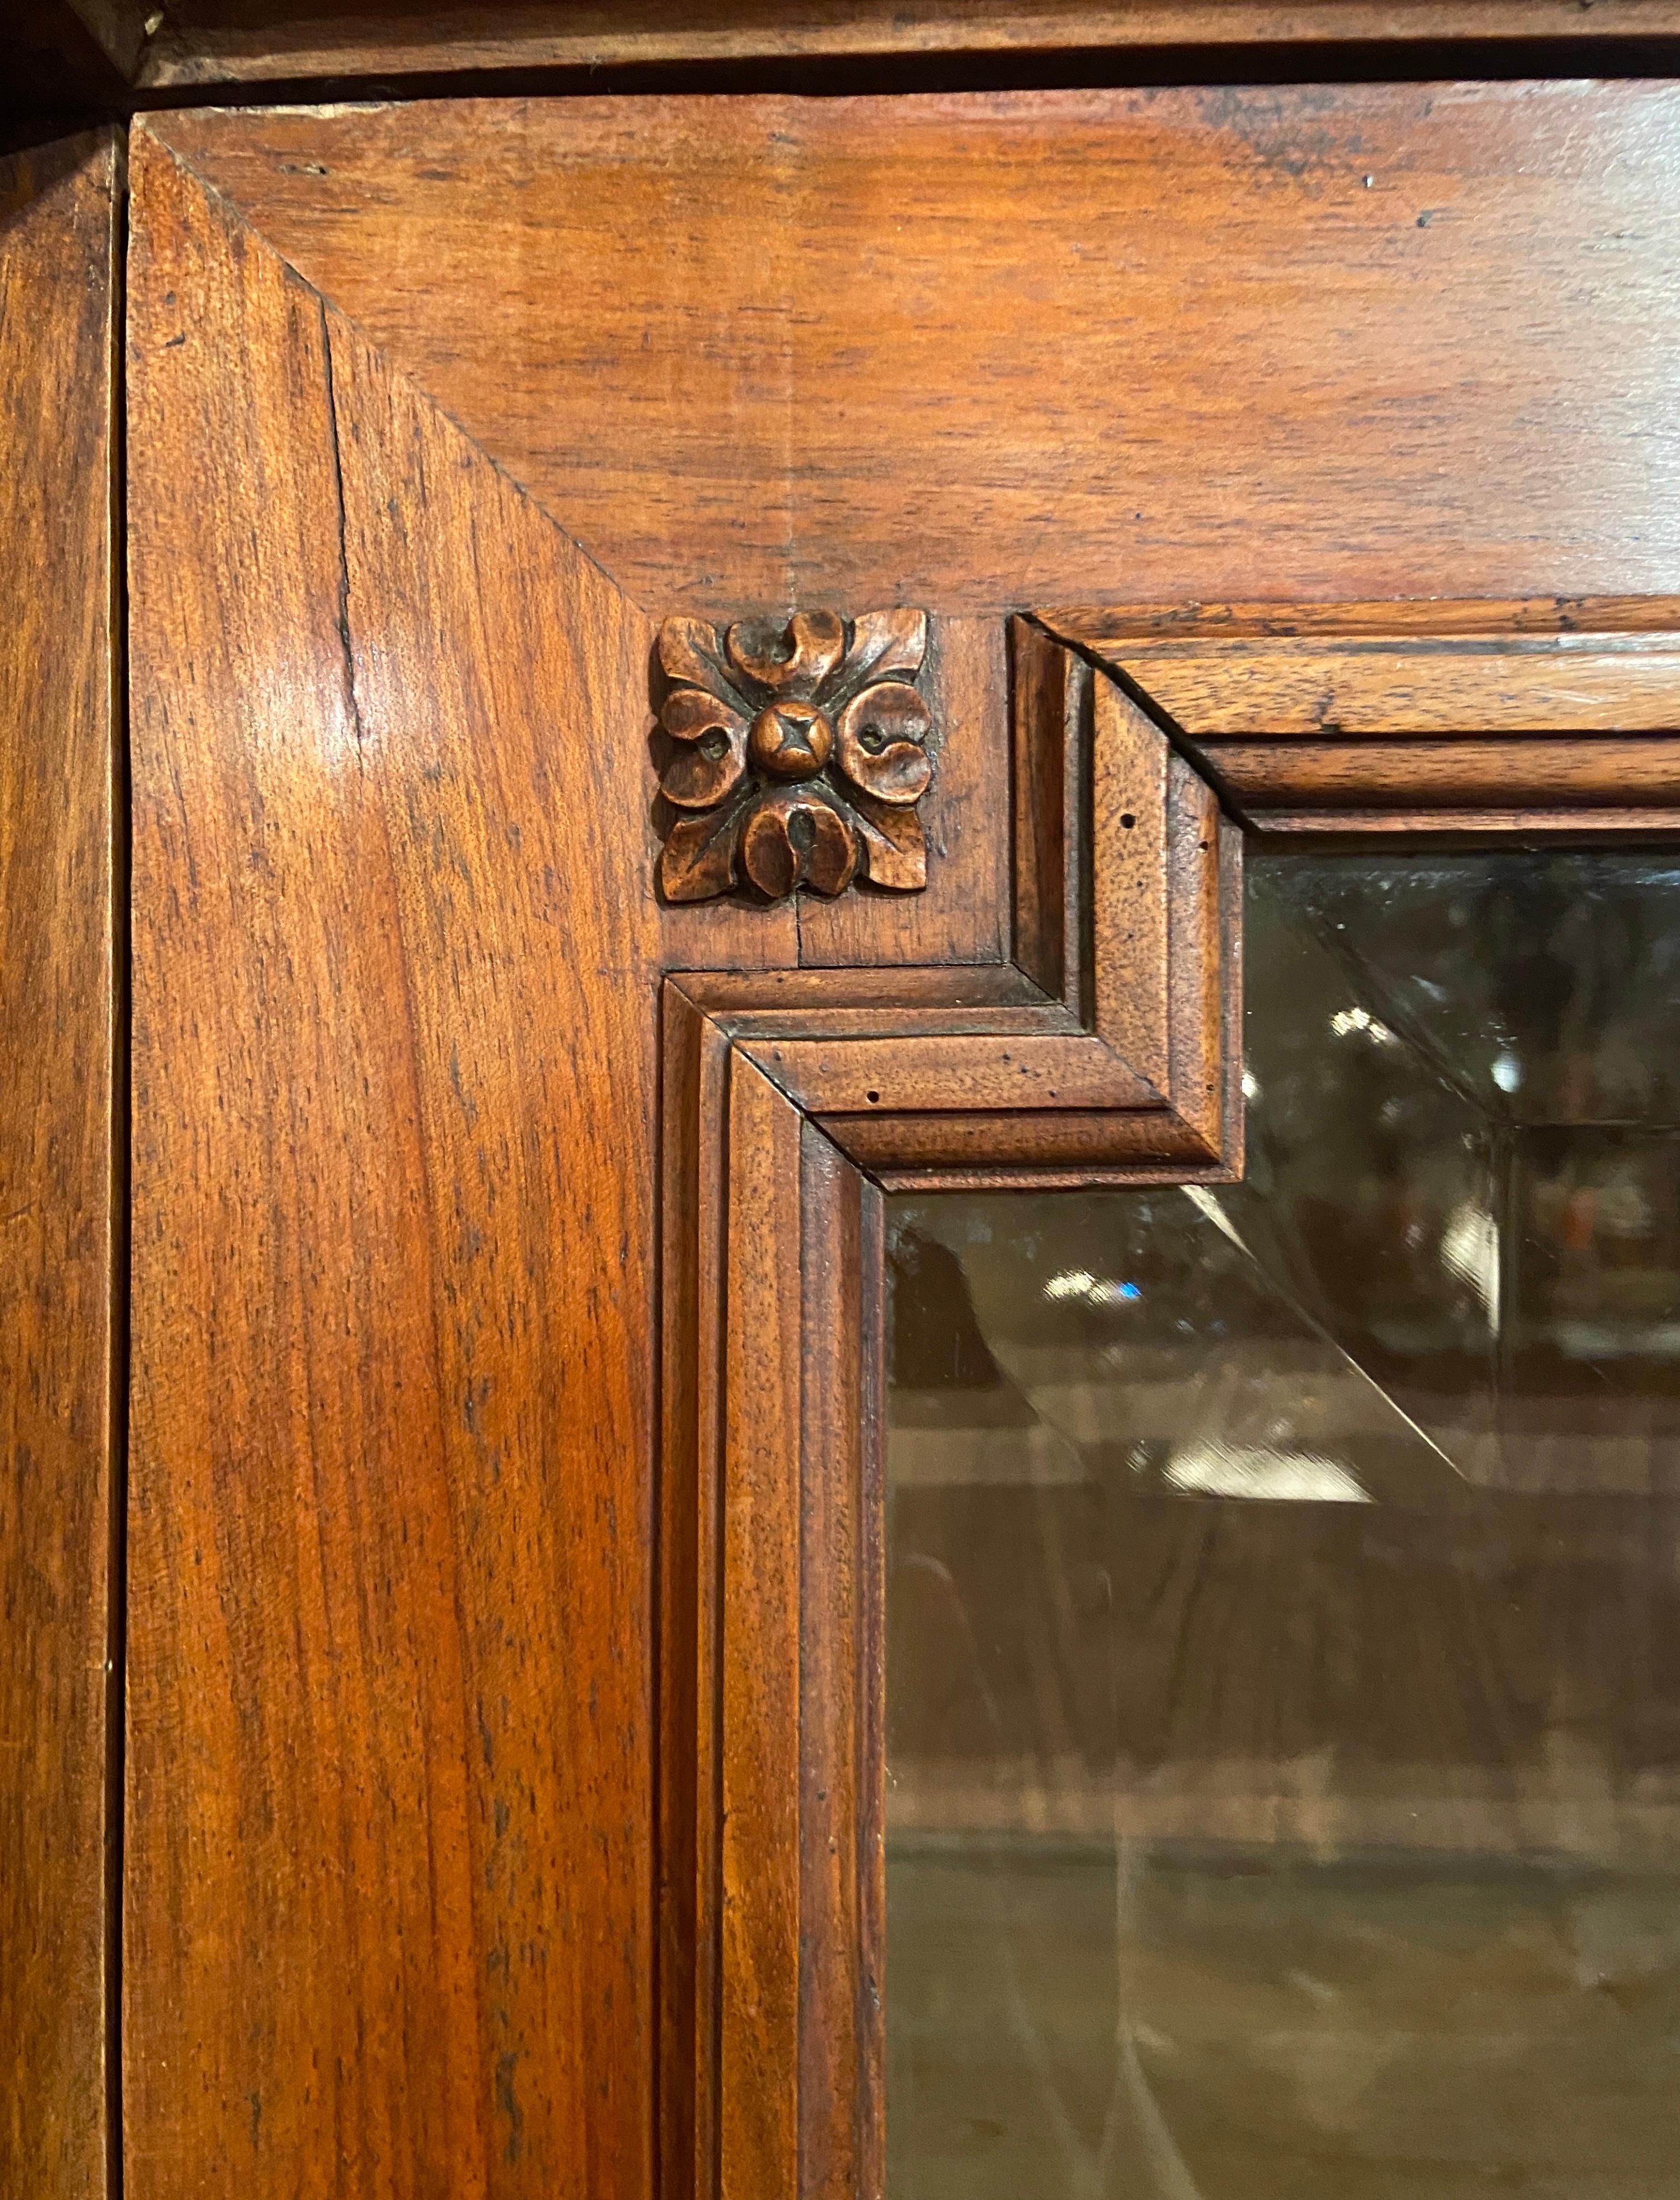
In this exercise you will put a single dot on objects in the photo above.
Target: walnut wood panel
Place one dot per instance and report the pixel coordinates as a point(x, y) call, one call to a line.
point(389, 1863)
point(60, 1227)
point(981, 350)
point(1363, 717)
point(203, 42)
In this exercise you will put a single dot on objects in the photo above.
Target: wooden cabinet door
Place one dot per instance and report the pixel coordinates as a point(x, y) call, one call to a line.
point(563, 536)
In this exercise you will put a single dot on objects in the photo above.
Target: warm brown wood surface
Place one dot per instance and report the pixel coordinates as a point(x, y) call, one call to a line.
point(397, 943)
point(1559, 666)
point(1294, 715)
point(841, 1697)
point(1462, 774)
point(1650, 822)
point(1429, 621)
point(389, 1863)
point(758, 2034)
point(208, 41)
point(963, 915)
point(1623, 683)
point(58, 1182)
point(394, 1778)
point(973, 351)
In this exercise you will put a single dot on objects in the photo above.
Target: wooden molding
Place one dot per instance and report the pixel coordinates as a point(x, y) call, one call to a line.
point(1559, 715)
point(1107, 1052)
point(209, 42)
point(798, 751)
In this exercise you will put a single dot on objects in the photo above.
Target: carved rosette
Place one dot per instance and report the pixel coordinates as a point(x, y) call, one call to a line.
point(799, 753)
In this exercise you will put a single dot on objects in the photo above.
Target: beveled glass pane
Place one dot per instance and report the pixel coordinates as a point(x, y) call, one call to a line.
point(1283, 1591)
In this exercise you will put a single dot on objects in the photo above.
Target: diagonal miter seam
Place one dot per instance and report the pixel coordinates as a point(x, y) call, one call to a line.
point(1132, 688)
point(750, 1029)
point(231, 211)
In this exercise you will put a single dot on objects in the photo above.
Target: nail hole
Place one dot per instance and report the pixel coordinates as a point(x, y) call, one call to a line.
point(1128, 820)
point(871, 1097)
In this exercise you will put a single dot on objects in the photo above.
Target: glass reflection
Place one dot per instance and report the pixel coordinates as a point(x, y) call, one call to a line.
point(1284, 1603)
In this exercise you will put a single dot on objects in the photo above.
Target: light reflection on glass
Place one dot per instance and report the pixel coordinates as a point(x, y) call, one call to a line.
point(1284, 1604)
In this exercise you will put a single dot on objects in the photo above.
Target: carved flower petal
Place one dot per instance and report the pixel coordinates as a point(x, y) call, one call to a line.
point(690, 649)
point(795, 839)
point(884, 642)
point(878, 740)
point(894, 852)
point(690, 713)
point(711, 759)
point(791, 659)
point(699, 779)
point(699, 859)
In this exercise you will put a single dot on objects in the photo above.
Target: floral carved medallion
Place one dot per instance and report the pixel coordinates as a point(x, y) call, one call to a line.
point(798, 754)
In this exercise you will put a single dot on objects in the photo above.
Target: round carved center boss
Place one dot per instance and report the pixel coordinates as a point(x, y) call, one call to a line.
point(790, 740)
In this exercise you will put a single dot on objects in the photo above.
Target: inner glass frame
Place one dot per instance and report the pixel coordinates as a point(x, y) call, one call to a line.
point(1283, 1657)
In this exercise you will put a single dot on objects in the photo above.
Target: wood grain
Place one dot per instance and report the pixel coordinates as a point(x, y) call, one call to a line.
point(758, 2032)
point(1571, 824)
point(1050, 705)
point(60, 1226)
point(389, 1863)
point(841, 1758)
point(975, 351)
point(909, 1150)
point(208, 42)
point(1442, 678)
point(918, 1074)
point(1461, 775)
point(770, 1868)
point(394, 1778)
point(963, 915)
point(1131, 888)
point(1572, 684)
